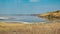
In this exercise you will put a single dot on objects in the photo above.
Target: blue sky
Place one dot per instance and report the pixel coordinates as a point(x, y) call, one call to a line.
point(28, 6)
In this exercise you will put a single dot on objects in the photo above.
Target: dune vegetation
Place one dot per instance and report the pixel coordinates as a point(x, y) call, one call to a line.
point(50, 16)
point(54, 14)
point(38, 28)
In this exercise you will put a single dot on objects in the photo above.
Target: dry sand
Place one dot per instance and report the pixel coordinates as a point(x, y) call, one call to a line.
point(39, 28)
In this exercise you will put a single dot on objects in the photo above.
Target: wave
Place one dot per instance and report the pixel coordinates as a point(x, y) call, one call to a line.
point(5, 18)
point(22, 22)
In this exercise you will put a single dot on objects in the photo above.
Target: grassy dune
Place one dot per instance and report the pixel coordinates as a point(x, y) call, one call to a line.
point(54, 14)
point(39, 28)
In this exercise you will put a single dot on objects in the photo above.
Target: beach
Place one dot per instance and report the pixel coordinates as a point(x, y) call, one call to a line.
point(35, 28)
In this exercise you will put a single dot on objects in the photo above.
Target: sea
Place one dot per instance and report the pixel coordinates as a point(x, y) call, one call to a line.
point(21, 18)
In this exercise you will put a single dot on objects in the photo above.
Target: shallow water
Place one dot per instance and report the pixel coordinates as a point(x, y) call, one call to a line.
point(22, 19)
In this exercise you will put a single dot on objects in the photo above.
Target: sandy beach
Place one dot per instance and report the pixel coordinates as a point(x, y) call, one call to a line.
point(38, 28)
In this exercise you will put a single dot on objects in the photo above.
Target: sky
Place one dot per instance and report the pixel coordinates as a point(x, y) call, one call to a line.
point(28, 6)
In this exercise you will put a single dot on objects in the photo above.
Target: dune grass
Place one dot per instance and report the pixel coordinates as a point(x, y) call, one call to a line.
point(39, 28)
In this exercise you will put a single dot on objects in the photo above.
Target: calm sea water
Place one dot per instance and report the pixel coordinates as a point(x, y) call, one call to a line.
point(22, 19)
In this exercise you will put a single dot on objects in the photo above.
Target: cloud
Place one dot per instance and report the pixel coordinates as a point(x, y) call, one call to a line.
point(33, 0)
